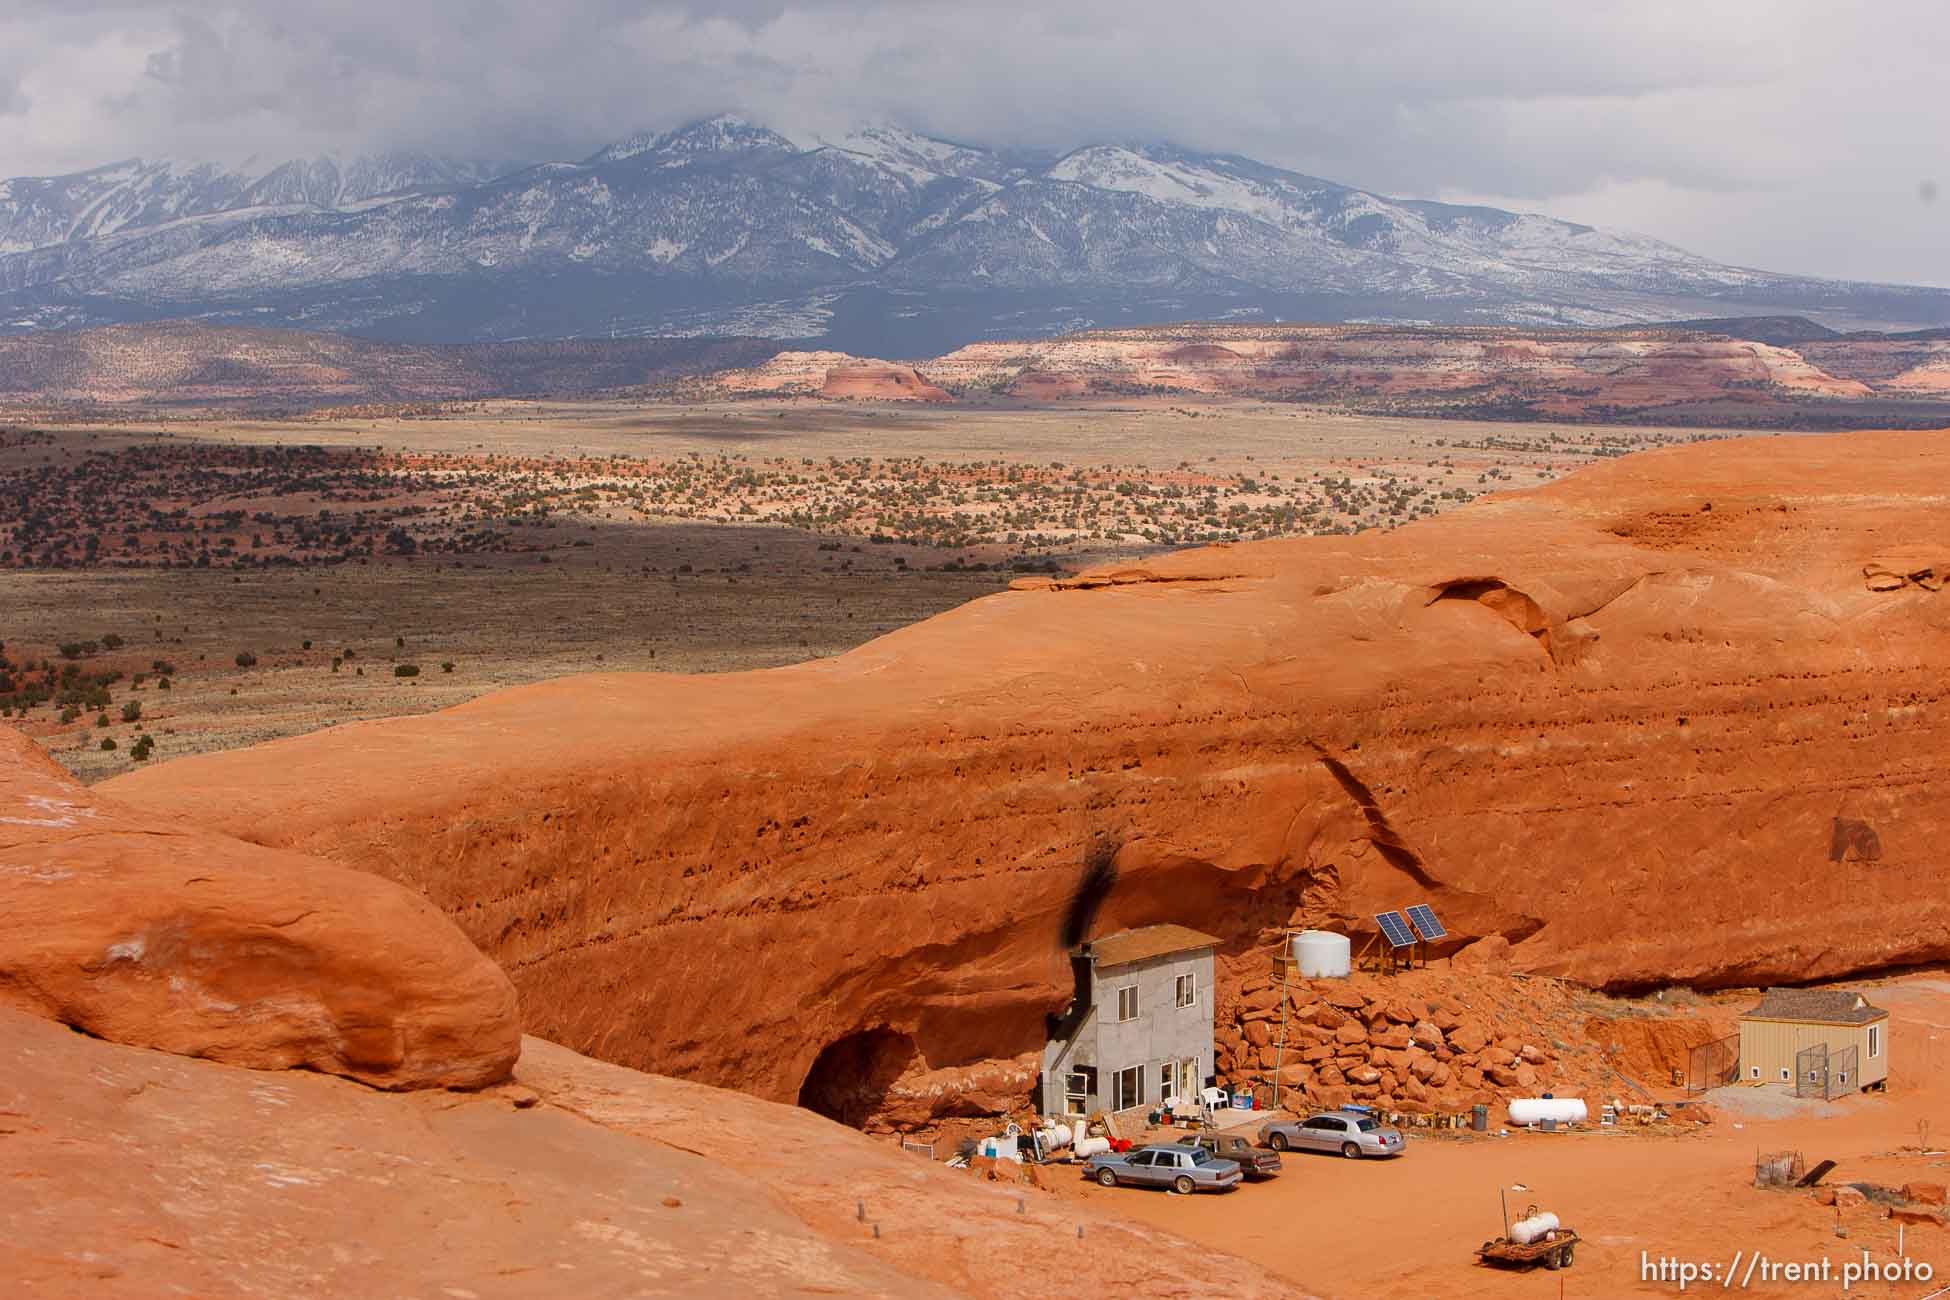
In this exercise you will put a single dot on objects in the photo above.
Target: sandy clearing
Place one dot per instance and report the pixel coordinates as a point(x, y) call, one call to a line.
point(1408, 1228)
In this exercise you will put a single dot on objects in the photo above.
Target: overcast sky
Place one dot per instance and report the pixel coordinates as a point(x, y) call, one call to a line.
point(1780, 134)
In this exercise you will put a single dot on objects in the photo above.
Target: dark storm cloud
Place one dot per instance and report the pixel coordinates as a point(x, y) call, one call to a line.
point(1786, 133)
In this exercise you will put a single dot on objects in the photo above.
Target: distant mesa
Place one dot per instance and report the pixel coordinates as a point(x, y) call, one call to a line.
point(1047, 386)
point(1715, 377)
point(1202, 354)
point(881, 383)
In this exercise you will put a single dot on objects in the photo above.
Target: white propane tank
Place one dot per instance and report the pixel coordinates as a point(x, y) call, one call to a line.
point(1525, 1231)
point(1322, 954)
point(1087, 1147)
point(1533, 1110)
point(1056, 1137)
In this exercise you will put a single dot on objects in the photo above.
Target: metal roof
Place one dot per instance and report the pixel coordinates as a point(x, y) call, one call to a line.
point(1127, 946)
point(1822, 1006)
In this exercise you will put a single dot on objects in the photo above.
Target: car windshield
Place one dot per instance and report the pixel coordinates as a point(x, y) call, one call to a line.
point(1369, 1126)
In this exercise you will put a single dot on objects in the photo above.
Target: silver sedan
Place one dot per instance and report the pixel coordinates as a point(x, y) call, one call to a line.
point(1177, 1165)
point(1351, 1133)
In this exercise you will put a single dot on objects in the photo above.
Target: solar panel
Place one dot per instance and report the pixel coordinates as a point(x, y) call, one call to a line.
point(1394, 929)
point(1422, 917)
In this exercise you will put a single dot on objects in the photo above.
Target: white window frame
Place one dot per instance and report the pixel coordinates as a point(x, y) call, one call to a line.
point(1136, 1009)
point(1167, 1080)
point(1120, 1098)
point(1756, 1071)
point(1187, 991)
point(1875, 1041)
point(1076, 1093)
point(1787, 1076)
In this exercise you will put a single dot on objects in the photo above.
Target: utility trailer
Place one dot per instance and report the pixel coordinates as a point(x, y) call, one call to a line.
point(1554, 1250)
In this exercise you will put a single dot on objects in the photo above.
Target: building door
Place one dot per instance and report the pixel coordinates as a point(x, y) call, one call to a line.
point(1184, 1079)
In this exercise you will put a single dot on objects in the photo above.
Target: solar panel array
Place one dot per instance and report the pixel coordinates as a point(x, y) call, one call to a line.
point(1422, 917)
point(1394, 929)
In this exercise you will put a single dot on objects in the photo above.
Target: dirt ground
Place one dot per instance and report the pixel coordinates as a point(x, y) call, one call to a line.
point(1409, 1227)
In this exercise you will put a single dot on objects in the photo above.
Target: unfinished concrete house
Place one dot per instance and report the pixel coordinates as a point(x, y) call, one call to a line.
point(1138, 1030)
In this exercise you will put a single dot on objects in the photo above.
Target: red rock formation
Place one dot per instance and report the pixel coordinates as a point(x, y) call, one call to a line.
point(142, 930)
point(1566, 373)
point(883, 383)
point(1650, 723)
point(133, 1174)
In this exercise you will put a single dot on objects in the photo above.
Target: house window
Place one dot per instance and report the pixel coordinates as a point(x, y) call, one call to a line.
point(1756, 1070)
point(1875, 1041)
point(1127, 1002)
point(1785, 1076)
point(1127, 1088)
point(1188, 990)
point(1076, 1093)
point(1167, 1081)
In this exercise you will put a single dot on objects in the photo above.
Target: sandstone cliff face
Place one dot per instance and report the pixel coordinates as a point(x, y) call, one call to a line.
point(1649, 724)
point(143, 930)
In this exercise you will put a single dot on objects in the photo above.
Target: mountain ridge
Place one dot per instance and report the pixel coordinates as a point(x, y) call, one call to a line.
point(879, 239)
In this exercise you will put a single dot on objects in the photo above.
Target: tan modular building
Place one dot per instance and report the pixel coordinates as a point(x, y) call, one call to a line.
point(1785, 1033)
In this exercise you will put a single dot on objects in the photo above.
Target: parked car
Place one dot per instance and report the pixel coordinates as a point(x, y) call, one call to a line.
point(1181, 1166)
point(1351, 1133)
point(1252, 1162)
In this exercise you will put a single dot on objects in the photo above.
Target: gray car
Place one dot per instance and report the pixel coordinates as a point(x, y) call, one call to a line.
point(1180, 1166)
point(1352, 1133)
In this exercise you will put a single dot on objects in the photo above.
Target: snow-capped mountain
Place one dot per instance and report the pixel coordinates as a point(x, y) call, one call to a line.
point(133, 194)
point(879, 240)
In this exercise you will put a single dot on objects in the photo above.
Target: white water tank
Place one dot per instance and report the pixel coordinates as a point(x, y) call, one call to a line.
point(1534, 1110)
point(1322, 954)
